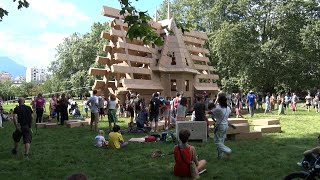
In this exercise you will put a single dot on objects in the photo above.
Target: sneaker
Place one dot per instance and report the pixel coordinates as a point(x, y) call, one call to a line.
point(26, 156)
point(299, 164)
point(14, 151)
point(204, 170)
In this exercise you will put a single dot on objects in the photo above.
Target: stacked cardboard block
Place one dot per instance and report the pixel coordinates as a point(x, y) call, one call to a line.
point(51, 125)
point(198, 129)
point(46, 125)
point(76, 123)
point(267, 125)
point(242, 130)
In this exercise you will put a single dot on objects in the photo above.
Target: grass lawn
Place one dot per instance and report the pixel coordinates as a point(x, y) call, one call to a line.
point(58, 153)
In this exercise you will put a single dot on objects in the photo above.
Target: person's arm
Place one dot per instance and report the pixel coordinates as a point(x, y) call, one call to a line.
point(194, 155)
point(315, 150)
point(44, 105)
point(121, 139)
point(15, 121)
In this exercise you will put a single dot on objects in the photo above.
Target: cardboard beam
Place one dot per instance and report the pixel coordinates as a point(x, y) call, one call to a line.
point(268, 129)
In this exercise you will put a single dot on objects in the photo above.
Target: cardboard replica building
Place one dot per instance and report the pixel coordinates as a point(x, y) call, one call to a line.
point(180, 65)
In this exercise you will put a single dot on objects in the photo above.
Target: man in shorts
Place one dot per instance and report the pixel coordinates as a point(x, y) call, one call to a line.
point(22, 119)
point(94, 107)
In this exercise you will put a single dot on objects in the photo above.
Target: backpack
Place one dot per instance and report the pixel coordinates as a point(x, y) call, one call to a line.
point(154, 104)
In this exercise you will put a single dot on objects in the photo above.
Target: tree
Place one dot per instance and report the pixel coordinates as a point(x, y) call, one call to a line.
point(268, 46)
point(75, 56)
point(21, 4)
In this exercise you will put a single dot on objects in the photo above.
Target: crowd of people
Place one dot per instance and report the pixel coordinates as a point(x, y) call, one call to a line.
point(144, 114)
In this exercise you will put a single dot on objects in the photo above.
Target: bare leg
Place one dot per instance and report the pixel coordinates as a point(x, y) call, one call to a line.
point(201, 165)
point(123, 145)
point(26, 148)
point(156, 125)
point(96, 125)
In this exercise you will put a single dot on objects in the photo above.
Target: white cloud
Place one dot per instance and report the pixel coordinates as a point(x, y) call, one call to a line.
point(31, 51)
point(67, 14)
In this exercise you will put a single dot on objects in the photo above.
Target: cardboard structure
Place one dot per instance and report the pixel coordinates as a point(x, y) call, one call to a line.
point(198, 129)
point(181, 64)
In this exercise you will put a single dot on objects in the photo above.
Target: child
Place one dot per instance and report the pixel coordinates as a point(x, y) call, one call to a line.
point(115, 139)
point(184, 154)
point(100, 140)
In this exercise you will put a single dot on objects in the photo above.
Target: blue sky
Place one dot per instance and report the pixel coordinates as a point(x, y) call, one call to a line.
point(29, 36)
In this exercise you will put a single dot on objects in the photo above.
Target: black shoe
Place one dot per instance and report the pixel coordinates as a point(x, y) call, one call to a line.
point(14, 151)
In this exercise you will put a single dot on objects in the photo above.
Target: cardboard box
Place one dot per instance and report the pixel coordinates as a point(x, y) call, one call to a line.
point(265, 122)
point(40, 125)
point(73, 124)
point(51, 125)
point(268, 129)
point(249, 135)
point(240, 128)
point(237, 120)
point(198, 129)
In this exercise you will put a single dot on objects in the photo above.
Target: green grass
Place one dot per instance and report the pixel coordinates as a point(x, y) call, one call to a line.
point(58, 153)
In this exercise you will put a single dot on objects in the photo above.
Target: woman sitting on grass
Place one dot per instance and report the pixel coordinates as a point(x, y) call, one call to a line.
point(184, 154)
point(115, 139)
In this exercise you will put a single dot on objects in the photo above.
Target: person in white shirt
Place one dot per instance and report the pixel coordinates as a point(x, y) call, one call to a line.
point(221, 114)
point(267, 103)
point(100, 141)
point(85, 106)
point(181, 109)
point(294, 101)
point(112, 111)
point(94, 107)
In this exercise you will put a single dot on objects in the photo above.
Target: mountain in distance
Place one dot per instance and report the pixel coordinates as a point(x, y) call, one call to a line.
point(10, 66)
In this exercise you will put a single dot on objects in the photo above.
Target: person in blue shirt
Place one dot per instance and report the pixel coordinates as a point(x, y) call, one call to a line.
point(251, 101)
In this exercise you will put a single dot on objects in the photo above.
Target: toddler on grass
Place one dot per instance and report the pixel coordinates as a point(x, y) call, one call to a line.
point(100, 140)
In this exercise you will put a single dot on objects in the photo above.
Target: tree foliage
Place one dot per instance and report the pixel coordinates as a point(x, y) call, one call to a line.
point(21, 4)
point(268, 46)
point(74, 57)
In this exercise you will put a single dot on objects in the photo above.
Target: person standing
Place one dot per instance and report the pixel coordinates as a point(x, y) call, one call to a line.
point(238, 105)
point(52, 107)
point(251, 100)
point(200, 112)
point(1, 114)
point(281, 104)
point(154, 107)
point(112, 111)
point(308, 101)
point(85, 106)
point(272, 102)
point(93, 103)
point(221, 114)
point(286, 101)
point(137, 105)
point(40, 104)
point(101, 107)
point(64, 108)
point(181, 109)
point(58, 108)
point(294, 101)
point(267, 103)
point(22, 119)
